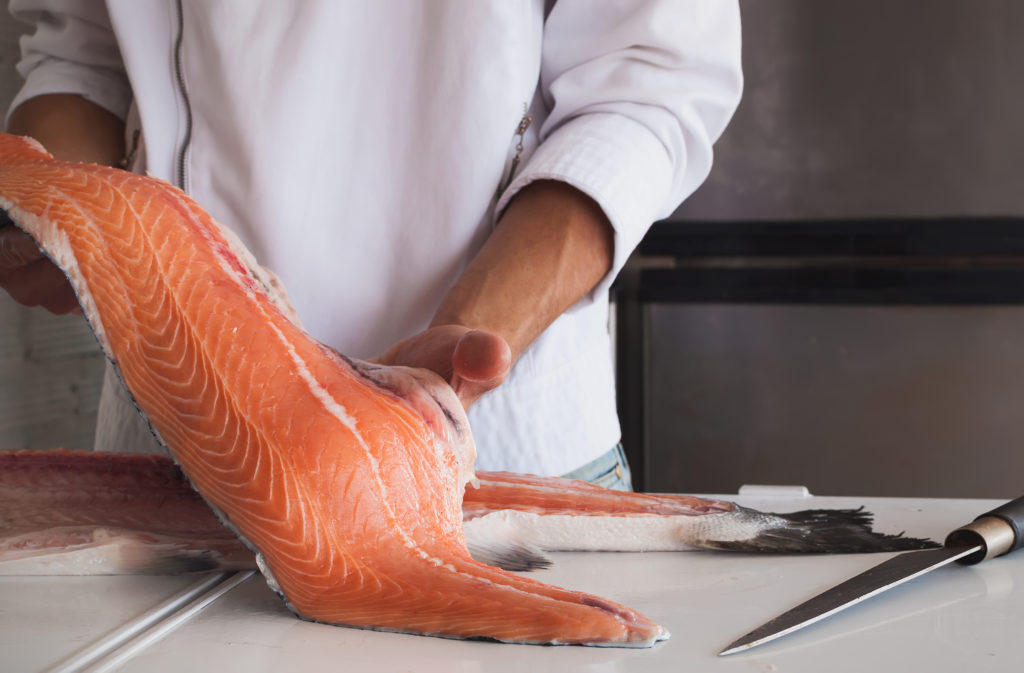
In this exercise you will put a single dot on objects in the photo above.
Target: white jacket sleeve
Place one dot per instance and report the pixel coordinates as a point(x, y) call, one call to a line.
point(73, 50)
point(637, 91)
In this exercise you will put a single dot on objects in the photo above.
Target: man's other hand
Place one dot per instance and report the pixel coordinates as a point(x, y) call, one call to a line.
point(472, 361)
point(31, 278)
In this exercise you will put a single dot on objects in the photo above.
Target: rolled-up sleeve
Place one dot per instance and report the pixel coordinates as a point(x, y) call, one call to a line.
point(637, 92)
point(73, 50)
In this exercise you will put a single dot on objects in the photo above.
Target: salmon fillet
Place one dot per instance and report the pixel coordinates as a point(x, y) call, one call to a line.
point(345, 478)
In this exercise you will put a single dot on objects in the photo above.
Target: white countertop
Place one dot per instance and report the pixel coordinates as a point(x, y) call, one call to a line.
point(953, 619)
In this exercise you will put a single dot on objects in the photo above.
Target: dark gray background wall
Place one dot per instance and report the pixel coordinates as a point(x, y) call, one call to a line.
point(854, 109)
point(874, 107)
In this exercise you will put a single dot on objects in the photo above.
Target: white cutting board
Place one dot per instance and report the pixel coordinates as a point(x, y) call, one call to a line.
point(954, 619)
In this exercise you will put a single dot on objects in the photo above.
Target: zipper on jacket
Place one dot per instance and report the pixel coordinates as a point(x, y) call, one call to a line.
point(520, 134)
point(181, 168)
point(133, 149)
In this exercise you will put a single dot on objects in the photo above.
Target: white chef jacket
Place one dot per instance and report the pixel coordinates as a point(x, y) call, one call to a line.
point(358, 149)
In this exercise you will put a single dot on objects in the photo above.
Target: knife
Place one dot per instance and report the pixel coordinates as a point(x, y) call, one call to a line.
point(992, 534)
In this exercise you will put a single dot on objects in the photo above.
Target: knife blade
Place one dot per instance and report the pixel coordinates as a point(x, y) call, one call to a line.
point(992, 534)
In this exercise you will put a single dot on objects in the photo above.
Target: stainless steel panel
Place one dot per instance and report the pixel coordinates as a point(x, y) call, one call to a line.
point(893, 401)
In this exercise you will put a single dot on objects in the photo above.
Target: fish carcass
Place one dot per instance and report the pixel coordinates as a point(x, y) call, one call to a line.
point(345, 479)
point(95, 513)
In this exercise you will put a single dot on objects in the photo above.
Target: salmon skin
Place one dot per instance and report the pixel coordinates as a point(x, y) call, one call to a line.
point(555, 514)
point(346, 480)
point(88, 512)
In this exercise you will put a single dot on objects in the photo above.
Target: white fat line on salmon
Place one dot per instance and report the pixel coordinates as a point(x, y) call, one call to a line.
point(340, 413)
point(653, 500)
point(126, 202)
point(67, 261)
point(55, 244)
point(231, 253)
point(272, 286)
point(232, 245)
point(195, 221)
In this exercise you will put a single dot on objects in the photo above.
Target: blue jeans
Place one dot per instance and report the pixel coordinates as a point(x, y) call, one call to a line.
point(609, 470)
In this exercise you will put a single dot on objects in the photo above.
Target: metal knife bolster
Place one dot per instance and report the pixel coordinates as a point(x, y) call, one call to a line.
point(998, 532)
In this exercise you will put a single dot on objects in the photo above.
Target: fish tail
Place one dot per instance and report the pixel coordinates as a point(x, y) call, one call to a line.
point(823, 531)
point(505, 546)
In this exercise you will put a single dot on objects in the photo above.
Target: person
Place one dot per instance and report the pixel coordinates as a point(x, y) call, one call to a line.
point(449, 185)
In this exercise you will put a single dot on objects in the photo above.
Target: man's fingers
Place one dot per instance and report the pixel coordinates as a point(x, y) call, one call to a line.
point(17, 249)
point(481, 362)
point(482, 357)
point(63, 301)
point(31, 278)
point(472, 361)
point(41, 283)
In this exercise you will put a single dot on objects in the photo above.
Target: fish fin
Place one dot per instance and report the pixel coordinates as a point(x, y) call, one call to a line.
point(85, 550)
point(501, 544)
point(176, 562)
point(822, 531)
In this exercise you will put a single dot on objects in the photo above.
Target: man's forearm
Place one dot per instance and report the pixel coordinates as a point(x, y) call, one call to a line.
point(71, 128)
point(551, 247)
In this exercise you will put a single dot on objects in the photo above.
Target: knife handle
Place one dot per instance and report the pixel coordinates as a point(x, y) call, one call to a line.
point(1000, 531)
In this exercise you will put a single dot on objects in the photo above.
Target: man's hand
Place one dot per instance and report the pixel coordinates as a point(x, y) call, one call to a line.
point(31, 278)
point(73, 129)
point(552, 246)
point(472, 361)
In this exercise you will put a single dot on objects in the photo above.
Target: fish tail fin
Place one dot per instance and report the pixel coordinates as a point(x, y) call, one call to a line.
point(823, 531)
point(91, 550)
point(503, 545)
point(173, 562)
